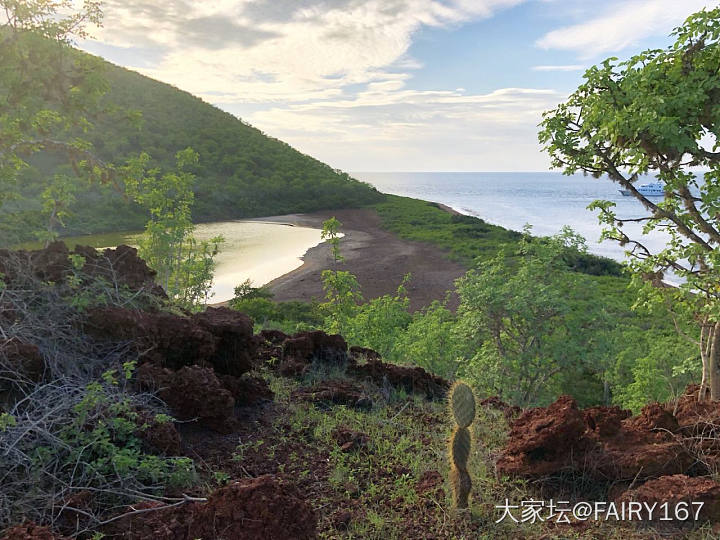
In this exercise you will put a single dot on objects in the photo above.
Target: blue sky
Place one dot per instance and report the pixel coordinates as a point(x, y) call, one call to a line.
point(387, 85)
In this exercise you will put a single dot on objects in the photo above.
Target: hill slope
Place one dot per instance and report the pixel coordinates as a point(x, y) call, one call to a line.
point(242, 172)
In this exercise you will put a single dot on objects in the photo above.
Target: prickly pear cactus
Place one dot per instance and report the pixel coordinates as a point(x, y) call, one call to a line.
point(462, 406)
point(462, 403)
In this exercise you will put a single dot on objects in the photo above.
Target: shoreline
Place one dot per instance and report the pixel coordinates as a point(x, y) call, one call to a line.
point(378, 258)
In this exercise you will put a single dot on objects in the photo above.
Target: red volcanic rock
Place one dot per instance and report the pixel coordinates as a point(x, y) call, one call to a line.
point(233, 331)
point(300, 350)
point(30, 531)
point(430, 482)
point(247, 390)
point(333, 391)
point(255, 508)
point(634, 455)
point(675, 489)
point(542, 439)
point(275, 337)
point(162, 437)
point(689, 412)
point(654, 417)
point(297, 355)
point(249, 509)
point(120, 265)
point(605, 421)
point(220, 337)
point(23, 358)
point(600, 442)
point(412, 379)
point(170, 340)
point(192, 392)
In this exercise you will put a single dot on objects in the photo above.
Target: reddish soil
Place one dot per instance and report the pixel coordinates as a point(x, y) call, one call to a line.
point(378, 258)
point(249, 509)
point(675, 489)
point(652, 452)
point(30, 531)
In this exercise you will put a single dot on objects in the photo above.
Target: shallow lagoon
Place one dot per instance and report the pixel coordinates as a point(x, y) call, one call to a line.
point(256, 250)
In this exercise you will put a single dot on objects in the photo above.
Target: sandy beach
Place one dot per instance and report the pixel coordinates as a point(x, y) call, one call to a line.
point(377, 257)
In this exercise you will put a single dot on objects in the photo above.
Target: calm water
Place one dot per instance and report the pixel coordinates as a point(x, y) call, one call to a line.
point(253, 250)
point(547, 201)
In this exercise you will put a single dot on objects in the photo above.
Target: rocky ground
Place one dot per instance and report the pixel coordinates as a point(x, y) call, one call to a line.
point(303, 436)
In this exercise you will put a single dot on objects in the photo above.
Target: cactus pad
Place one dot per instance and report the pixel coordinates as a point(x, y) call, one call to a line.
point(460, 447)
point(461, 484)
point(462, 403)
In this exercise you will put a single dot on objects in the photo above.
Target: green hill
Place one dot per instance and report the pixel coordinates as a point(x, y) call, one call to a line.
point(242, 172)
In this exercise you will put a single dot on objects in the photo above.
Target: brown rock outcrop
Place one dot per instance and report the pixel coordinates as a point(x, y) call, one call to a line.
point(331, 392)
point(542, 440)
point(248, 509)
point(23, 359)
point(235, 347)
point(601, 442)
point(220, 337)
point(162, 437)
point(192, 392)
point(120, 265)
point(30, 531)
point(247, 390)
point(412, 379)
point(605, 421)
point(304, 348)
point(675, 489)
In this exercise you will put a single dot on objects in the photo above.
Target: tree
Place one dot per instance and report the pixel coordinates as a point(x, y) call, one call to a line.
point(516, 306)
point(657, 113)
point(184, 266)
point(331, 233)
point(47, 95)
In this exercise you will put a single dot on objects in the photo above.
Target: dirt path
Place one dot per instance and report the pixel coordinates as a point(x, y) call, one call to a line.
point(377, 257)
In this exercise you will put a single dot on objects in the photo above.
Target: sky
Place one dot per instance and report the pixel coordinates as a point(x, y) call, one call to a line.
point(386, 85)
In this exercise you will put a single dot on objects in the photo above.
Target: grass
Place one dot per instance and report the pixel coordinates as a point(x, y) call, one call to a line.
point(377, 483)
point(465, 237)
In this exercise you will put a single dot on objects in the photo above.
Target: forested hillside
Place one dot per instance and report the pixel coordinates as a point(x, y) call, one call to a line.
point(241, 172)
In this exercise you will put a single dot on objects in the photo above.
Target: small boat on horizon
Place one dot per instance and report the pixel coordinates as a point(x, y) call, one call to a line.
point(651, 189)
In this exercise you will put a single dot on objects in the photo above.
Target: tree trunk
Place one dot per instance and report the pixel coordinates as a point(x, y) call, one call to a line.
point(704, 352)
point(714, 362)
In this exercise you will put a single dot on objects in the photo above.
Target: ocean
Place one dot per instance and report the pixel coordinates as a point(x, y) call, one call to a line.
point(545, 200)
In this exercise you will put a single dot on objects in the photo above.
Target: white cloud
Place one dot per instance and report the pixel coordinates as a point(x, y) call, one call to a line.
point(331, 78)
point(303, 49)
point(572, 67)
point(383, 129)
point(622, 24)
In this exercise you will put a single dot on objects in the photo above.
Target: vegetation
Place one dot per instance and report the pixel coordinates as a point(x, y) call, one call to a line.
point(77, 425)
point(534, 320)
point(34, 53)
point(184, 267)
point(651, 115)
point(289, 317)
point(240, 172)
